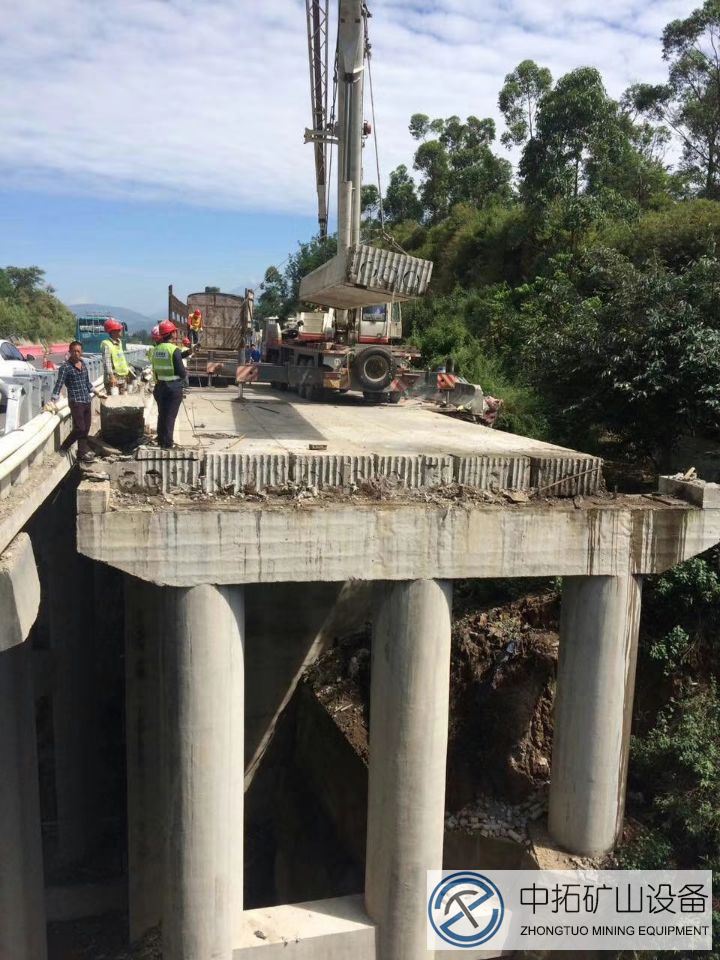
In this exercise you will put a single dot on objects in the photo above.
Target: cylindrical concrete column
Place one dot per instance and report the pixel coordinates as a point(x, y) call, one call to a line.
point(22, 892)
point(409, 697)
point(203, 700)
point(143, 729)
point(599, 625)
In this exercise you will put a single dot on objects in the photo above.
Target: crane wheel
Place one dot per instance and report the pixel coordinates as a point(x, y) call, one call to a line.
point(374, 368)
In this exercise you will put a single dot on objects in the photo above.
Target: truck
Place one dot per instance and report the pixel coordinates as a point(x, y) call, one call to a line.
point(90, 331)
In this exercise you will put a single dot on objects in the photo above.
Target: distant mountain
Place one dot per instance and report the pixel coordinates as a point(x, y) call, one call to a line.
point(134, 320)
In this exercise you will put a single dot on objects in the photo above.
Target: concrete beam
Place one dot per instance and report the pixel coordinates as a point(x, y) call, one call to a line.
point(19, 592)
point(203, 704)
point(337, 929)
point(600, 620)
point(409, 704)
point(245, 542)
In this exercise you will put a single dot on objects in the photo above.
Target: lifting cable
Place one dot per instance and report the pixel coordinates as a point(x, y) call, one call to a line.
point(368, 54)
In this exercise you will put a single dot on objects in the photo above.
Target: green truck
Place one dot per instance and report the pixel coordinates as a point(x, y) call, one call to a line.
point(90, 331)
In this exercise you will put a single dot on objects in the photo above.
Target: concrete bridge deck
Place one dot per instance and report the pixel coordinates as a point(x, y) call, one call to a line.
point(269, 439)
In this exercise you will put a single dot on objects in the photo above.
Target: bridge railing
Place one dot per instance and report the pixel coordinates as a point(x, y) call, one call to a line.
point(25, 396)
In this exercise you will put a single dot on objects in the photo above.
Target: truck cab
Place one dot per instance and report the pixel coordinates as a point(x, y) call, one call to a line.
point(381, 324)
point(90, 331)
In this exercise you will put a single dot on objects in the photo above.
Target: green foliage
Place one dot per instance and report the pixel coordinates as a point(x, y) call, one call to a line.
point(678, 235)
point(456, 167)
point(671, 650)
point(678, 762)
point(519, 99)
point(689, 102)
point(28, 309)
point(619, 349)
point(279, 296)
point(442, 328)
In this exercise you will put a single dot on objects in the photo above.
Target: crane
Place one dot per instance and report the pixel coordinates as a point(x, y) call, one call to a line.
point(317, 28)
point(359, 275)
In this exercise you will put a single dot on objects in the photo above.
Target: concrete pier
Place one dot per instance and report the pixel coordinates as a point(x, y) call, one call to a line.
point(203, 697)
point(22, 904)
point(408, 749)
point(143, 726)
point(599, 626)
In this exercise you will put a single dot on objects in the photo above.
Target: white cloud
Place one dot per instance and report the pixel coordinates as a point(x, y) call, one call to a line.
point(206, 102)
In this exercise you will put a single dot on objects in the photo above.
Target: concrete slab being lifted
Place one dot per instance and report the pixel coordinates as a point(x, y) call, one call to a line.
point(272, 439)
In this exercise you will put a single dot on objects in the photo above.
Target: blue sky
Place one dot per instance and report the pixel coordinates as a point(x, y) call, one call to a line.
point(144, 142)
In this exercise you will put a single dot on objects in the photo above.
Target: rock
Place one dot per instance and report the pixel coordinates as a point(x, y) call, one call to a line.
point(122, 420)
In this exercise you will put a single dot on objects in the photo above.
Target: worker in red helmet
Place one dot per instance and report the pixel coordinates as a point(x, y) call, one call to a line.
point(195, 324)
point(170, 379)
point(116, 369)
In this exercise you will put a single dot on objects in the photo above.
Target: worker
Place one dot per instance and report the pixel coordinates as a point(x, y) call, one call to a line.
point(116, 369)
point(170, 378)
point(155, 337)
point(195, 325)
point(73, 375)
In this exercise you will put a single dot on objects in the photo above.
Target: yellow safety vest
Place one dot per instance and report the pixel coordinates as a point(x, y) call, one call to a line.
point(162, 362)
point(119, 363)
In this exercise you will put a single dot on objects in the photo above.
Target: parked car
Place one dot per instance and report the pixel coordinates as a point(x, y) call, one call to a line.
point(12, 365)
point(12, 362)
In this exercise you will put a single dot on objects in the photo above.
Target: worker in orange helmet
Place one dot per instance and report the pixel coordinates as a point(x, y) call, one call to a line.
point(116, 369)
point(195, 325)
point(170, 378)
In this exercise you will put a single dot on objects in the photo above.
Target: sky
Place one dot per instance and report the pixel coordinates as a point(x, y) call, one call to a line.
point(147, 142)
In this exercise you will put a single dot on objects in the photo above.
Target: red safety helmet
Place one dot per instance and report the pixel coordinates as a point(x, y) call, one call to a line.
point(196, 313)
point(166, 327)
point(112, 325)
point(186, 341)
point(155, 333)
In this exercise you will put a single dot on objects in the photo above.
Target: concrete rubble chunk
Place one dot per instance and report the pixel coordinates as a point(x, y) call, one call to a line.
point(19, 592)
point(93, 496)
point(122, 420)
point(697, 492)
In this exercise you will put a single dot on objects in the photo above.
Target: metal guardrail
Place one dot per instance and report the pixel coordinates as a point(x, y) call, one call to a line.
point(25, 396)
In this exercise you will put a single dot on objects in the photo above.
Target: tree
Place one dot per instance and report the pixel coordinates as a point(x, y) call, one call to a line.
point(28, 309)
point(401, 199)
point(689, 103)
point(273, 294)
point(458, 166)
point(25, 281)
point(370, 199)
point(519, 99)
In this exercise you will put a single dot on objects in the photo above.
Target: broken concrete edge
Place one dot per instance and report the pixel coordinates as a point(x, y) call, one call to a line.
point(222, 472)
point(93, 496)
point(697, 492)
point(19, 592)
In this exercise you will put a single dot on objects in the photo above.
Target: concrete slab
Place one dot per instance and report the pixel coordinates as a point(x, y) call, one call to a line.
point(19, 592)
point(697, 492)
point(337, 929)
point(230, 541)
point(272, 438)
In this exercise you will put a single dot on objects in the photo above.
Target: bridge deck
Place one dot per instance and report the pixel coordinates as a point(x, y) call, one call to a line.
point(347, 441)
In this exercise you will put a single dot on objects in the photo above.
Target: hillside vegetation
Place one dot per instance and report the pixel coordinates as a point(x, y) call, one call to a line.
point(28, 309)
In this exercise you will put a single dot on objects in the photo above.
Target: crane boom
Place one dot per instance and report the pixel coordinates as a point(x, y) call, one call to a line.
point(317, 28)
